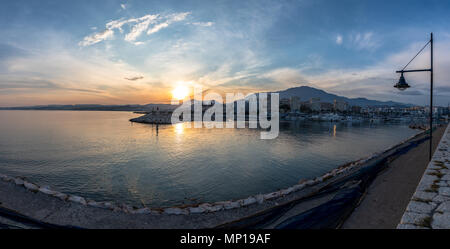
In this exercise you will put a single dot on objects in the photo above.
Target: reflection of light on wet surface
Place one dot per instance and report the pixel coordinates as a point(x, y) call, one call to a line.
point(179, 128)
point(334, 131)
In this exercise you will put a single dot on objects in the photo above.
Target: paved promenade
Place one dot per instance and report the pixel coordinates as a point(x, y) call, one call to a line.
point(389, 194)
point(430, 205)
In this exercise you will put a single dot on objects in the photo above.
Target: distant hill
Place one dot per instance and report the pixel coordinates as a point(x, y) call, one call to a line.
point(305, 93)
point(92, 107)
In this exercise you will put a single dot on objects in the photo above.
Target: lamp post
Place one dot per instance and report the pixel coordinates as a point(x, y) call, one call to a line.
point(402, 85)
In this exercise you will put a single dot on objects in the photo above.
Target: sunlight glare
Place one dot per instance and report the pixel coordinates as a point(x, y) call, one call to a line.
point(180, 92)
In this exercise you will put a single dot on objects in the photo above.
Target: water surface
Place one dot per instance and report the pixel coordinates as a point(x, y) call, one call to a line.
point(101, 155)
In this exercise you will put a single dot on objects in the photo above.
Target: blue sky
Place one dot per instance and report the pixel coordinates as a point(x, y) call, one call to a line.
point(117, 52)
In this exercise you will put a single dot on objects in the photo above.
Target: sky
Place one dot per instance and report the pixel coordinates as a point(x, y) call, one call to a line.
point(138, 51)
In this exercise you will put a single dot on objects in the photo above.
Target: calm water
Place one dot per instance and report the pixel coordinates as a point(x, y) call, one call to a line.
point(101, 155)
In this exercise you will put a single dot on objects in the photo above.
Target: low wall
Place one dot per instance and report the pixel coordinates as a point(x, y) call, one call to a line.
point(429, 207)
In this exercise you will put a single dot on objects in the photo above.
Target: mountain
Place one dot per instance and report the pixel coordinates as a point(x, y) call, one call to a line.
point(305, 93)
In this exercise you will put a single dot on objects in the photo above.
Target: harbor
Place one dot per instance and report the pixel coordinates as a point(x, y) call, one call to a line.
point(283, 209)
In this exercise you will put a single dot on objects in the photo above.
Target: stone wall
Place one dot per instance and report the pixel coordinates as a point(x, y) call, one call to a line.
point(429, 207)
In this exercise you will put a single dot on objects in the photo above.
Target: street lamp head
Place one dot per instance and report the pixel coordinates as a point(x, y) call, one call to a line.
point(402, 85)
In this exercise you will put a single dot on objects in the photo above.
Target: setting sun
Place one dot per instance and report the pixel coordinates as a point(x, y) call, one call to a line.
point(180, 92)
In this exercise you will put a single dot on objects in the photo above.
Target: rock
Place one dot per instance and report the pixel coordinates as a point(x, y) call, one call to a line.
point(248, 201)
point(205, 205)
point(427, 181)
point(176, 211)
point(61, 196)
point(18, 181)
point(107, 205)
point(215, 208)
point(445, 191)
point(441, 198)
point(272, 195)
point(318, 179)
point(299, 187)
point(142, 211)
point(442, 184)
point(197, 210)
point(155, 212)
point(302, 181)
point(410, 226)
point(441, 221)
point(77, 199)
point(259, 199)
point(232, 205)
point(287, 191)
point(420, 207)
point(7, 178)
point(117, 209)
point(444, 207)
point(414, 218)
point(46, 190)
point(95, 204)
point(127, 208)
point(310, 183)
point(425, 195)
point(31, 186)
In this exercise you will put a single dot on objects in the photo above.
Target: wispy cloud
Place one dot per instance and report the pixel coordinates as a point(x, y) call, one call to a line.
point(96, 38)
point(203, 24)
point(359, 41)
point(364, 41)
point(150, 24)
point(169, 20)
point(140, 27)
point(123, 6)
point(135, 78)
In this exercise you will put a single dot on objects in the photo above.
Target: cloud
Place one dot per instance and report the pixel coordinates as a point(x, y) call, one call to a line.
point(123, 6)
point(96, 38)
point(157, 28)
point(339, 39)
point(364, 41)
point(148, 23)
point(169, 20)
point(135, 78)
point(359, 41)
point(140, 27)
point(203, 24)
point(54, 74)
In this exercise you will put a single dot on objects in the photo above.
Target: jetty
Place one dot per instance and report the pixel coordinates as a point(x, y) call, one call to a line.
point(155, 116)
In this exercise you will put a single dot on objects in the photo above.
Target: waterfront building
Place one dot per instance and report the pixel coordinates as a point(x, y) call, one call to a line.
point(356, 109)
point(315, 104)
point(295, 104)
point(326, 107)
point(341, 106)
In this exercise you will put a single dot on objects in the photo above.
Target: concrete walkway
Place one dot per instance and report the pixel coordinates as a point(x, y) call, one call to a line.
point(388, 196)
point(430, 204)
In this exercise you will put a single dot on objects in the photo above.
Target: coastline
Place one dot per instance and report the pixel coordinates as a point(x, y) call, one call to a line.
point(42, 203)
